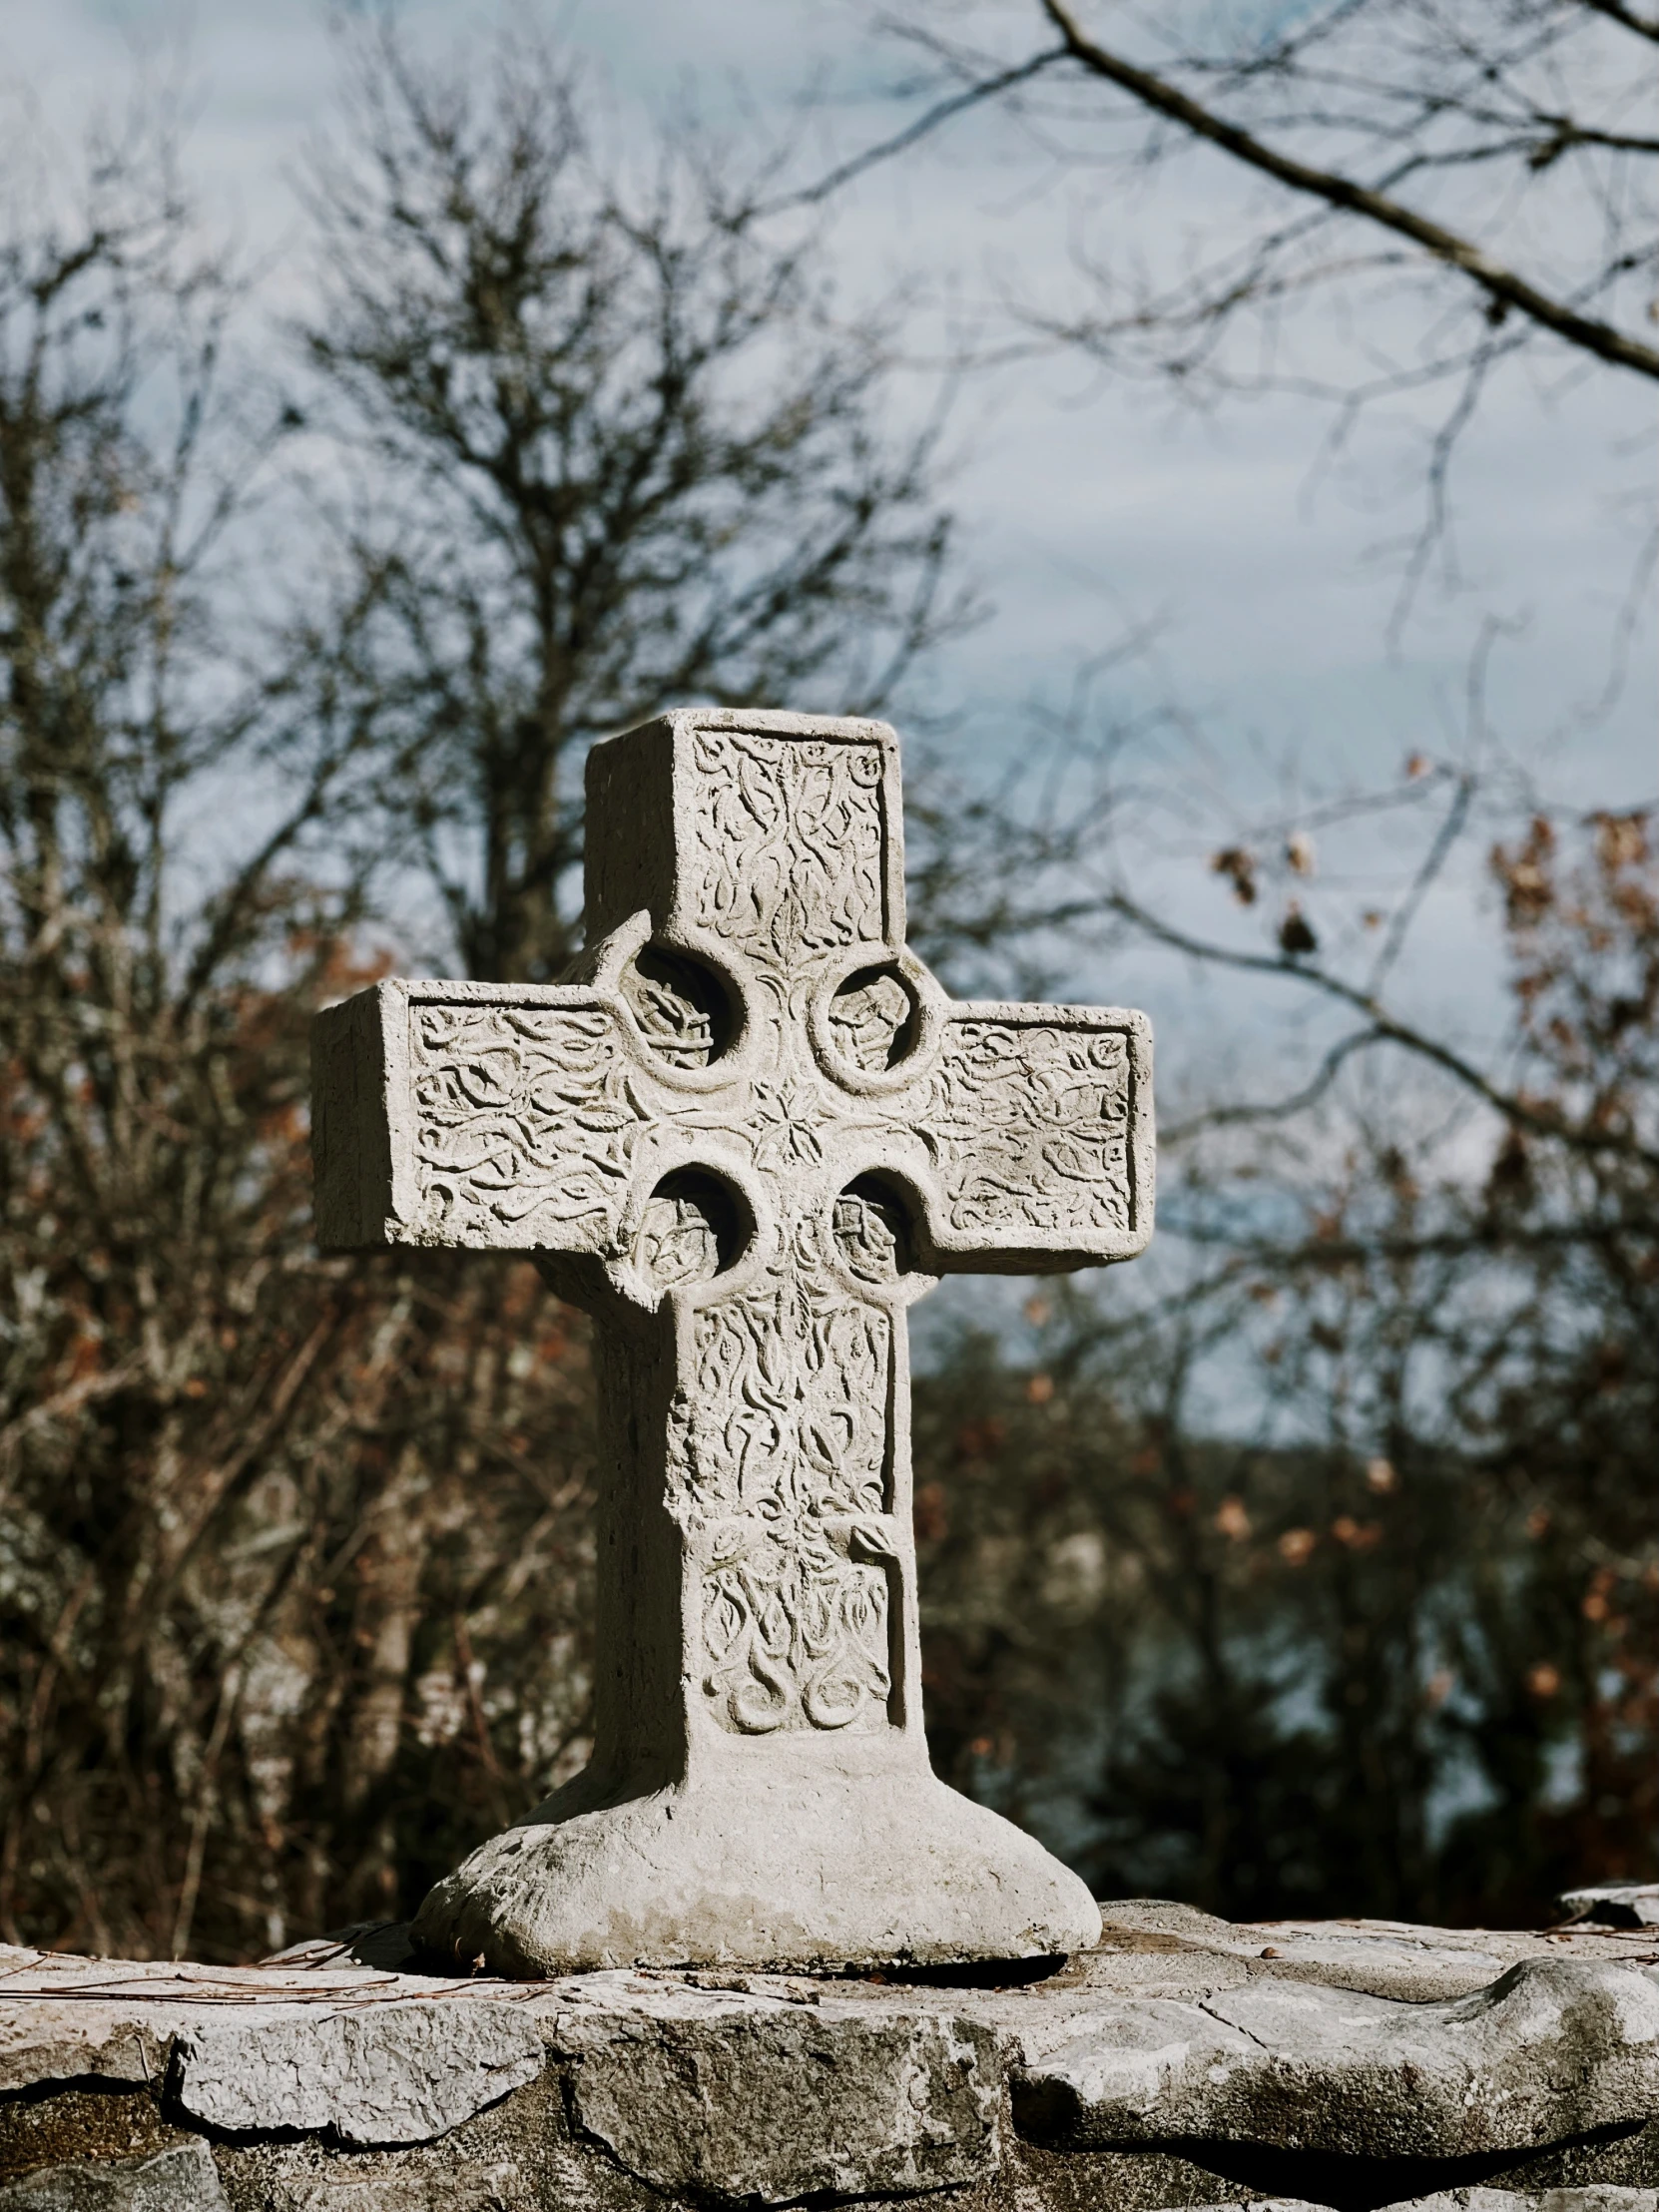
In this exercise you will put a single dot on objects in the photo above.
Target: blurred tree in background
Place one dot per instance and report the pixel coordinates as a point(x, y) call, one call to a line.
point(1392, 1646)
point(295, 1551)
point(611, 450)
point(293, 1562)
point(239, 1527)
point(1398, 1650)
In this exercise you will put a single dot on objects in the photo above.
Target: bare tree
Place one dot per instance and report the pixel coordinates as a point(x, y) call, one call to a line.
point(224, 1462)
point(619, 454)
point(294, 1553)
point(291, 1552)
point(1432, 192)
point(145, 1089)
point(1386, 1636)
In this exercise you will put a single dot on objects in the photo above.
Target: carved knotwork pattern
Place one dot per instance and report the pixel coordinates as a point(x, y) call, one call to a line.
point(870, 1020)
point(526, 1124)
point(794, 1635)
point(778, 1468)
point(872, 1235)
point(678, 1005)
point(793, 842)
point(1029, 1124)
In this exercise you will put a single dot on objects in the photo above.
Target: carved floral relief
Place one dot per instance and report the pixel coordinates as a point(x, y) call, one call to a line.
point(1030, 1125)
point(778, 1465)
point(792, 844)
point(526, 1125)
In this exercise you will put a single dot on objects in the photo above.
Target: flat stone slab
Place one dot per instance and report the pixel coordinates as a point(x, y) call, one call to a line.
point(1615, 1905)
point(1183, 2061)
point(1604, 2199)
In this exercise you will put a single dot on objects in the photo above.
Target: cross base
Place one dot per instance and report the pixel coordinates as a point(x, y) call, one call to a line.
point(782, 1869)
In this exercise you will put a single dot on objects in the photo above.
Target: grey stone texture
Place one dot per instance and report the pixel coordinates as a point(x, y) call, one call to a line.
point(1181, 2061)
point(1607, 2199)
point(892, 2104)
point(746, 1133)
point(1551, 2045)
point(179, 2179)
point(375, 2078)
point(1615, 1904)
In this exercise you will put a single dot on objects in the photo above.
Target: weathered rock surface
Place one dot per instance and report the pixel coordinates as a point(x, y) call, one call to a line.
point(1552, 2049)
point(1182, 2062)
point(692, 2100)
point(1615, 1904)
point(182, 2178)
point(386, 2074)
point(1608, 2199)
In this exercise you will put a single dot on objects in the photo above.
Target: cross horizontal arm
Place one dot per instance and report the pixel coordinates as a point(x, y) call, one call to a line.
point(1035, 1123)
point(491, 1116)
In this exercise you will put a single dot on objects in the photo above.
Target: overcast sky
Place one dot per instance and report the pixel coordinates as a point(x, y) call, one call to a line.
point(1082, 510)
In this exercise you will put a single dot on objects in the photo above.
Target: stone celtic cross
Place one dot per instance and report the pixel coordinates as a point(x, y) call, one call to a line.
point(746, 1133)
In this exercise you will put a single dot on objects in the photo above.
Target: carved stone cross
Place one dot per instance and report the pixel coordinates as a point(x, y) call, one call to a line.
point(746, 1134)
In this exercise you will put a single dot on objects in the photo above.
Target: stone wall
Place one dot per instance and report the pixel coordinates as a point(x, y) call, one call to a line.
point(1182, 2062)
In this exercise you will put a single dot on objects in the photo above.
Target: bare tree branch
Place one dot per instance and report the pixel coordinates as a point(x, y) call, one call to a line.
point(988, 88)
point(1504, 286)
point(1385, 1027)
point(1278, 1109)
point(1644, 26)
